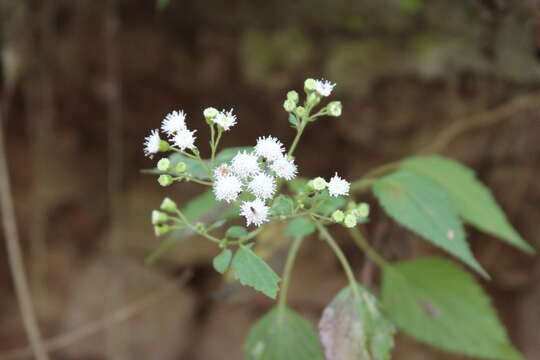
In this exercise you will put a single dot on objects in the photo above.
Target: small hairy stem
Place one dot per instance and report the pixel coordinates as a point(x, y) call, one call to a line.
point(212, 142)
point(248, 237)
point(198, 181)
point(362, 243)
point(195, 230)
point(291, 257)
point(367, 180)
point(299, 132)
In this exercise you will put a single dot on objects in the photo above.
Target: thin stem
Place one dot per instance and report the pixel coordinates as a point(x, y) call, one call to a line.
point(362, 243)
point(299, 132)
point(195, 230)
point(15, 257)
point(289, 263)
point(367, 180)
point(248, 237)
point(214, 148)
point(198, 181)
point(212, 145)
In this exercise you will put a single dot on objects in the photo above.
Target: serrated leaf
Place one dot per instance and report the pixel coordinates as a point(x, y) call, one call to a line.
point(236, 232)
point(282, 336)
point(300, 226)
point(424, 207)
point(439, 303)
point(293, 120)
point(472, 199)
point(282, 205)
point(354, 328)
point(221, 262)
point(252, 271)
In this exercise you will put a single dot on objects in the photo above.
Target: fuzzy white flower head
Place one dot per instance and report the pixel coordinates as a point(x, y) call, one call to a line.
point(255, 212)
point(222, 170)
point(151, 143)
point(262, 186)
point(324, 87)
point(284, 168)
point(245, 164)
point(184, 139)
point(227, 188)
point(269, 148)
point(174, 122)
point(338, 186)
point(225, 119)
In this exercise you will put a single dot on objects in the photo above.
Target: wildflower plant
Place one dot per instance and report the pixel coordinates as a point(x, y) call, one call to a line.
point(431, 299)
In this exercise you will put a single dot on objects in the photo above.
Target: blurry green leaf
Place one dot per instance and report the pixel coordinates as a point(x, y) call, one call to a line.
point(439, 303)
point(472, 199)
point(330, 204)
point(282, 205)
point(216, 225)
point(355, 328)
point(162, 4)
point(282, 336)
point(299, 226)
point(423, 207)
point(297, 185)
point(228, 154)
point(412, 6)
point(236, 232)
point(293, 120)
point(221, 262)
point(252, 271)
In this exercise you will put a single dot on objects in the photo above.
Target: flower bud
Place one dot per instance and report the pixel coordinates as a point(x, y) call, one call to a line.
point(350, 221)
point(300, 111)
point(164, 146)
point(181, 167)
point(168, 205)
point(165, 180)
point(310, 85)
point(200, 227)
point(161, 230)
point(334, 108)
point(313, 99)
point(289, 105)
point(210, 113)
point(318, 184)
point(338, 216)
point(293, 96)
point(363, 210)
point(164, 164)
point(159, 217)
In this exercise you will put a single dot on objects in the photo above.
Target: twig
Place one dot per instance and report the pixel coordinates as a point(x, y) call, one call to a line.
point(15, 257)
point(129, 311)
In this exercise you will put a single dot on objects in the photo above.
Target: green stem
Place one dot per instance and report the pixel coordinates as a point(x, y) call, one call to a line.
point(194, 228)
point(198, 181)
point(362, 243)
point(367, 180)
point(299, 132)
point(289, 263)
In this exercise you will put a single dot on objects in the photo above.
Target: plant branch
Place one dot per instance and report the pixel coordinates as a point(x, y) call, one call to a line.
point(289, 263)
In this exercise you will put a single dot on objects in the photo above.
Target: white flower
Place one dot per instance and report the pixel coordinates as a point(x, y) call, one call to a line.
point(338, 186)
point(269, 148)
point(244, 164)
point(255, 212)
point(225, 119)
point(284, 168)
point(184, 139)
point(222, 170)
point(262, 186)
point(227, 188)
point(324, 87)
point(151, 143)
point(174, 122)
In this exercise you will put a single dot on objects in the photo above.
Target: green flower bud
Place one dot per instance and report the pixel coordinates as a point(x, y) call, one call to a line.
point(165, 180)
point(351, 205)
point(164, 164)
point(210, 113)
point(350, 221)
point(181, 167)
point(313, 98)
point(159, 217)
point(334, 108)
point(161, 230)
point(164, 146)
point(200, 227)
point(363, 210)
point(293, 96)
point(310, 85)
point(168, 205)
point(318, 184)
point(289, 105)
point(338, 216)
point(300, 111)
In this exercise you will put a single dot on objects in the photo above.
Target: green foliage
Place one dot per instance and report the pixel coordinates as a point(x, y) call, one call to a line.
point(293, 120)
point(354, 327)
point(423, 207)
point(221, 262)
point(282, 334)
point(472, 199)
point(282, 205)
point(252, 271)
point(297, 185)
point(439, 303)
point(330, 203)
point(300, 226)
point(217, 225)
point(236, 232)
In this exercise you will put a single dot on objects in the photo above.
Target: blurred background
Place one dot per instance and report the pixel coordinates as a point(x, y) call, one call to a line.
point(83, 82)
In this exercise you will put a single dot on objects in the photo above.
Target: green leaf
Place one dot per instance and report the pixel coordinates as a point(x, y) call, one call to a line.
point(330, 204)
point(472, 199)
point(293, 120)
point(253, 271)
point(299, 227)
point(423, 207)
point(282, 335)
point(216, 225)
point(236, 232)
point(221, 262)
point(282, 205)
point(297, 185)
point(353, 327)
point(439, 303)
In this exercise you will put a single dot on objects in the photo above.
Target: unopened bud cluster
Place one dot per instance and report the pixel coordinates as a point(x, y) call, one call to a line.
point(354, 214)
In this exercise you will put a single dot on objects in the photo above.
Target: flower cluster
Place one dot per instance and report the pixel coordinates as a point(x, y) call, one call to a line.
point(174, 127)
point(254, 173)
